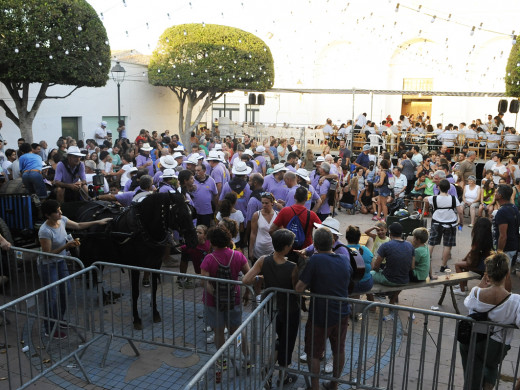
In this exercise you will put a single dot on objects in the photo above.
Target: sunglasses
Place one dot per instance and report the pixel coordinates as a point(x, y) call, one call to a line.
point(266, 195)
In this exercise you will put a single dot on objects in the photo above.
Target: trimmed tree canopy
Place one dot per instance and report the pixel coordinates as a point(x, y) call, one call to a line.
point(512, 78)
point(55, 41)
point(221, 58)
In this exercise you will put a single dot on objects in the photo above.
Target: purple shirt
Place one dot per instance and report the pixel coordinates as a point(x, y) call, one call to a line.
point(315, 177)
point(289, 198)
point(219, 174)
point(313, 197)
point(452, 191)
point(208, 167)
point(126, 188)
point(165, 187)
point(242, 200)
point(252, 207)
point(277, 188)
point(290, 168)
point(341, 250)
point(141, 160)
point(157, 177)
point(323, 189)
point(126, 197)
point(203, 195)
point(63, 174)
point(260, 163)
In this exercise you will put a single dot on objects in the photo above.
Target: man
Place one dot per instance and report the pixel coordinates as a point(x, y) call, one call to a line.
point(468, 168)
point(282, 150)
point(303, 179)
point(292, 147)
point(43, 150)
point(62, 148)
point(506, 226)
point(70, 179)
point(7, 165)
point(101, 133)
point(239, 186)
point(327, 129)
point(327, 273)
point(361, 121)
point(256, 181)
point(116, 159)
point(448, 138)
point(315, 176)
point(191, 163)
point(204, 196)
point(447, 214)
point(398, 254)
point(274, 183)
point(31, 169)
point(259, 160)
point(90, 167)
point(144, 189)
point(490, 163)
point(323, 210)
point(362, 160)
point(292, 160)
point(499, 170)
point(292, 184)
point(344, 153)
point(400, 183)
point(417, 157)
point(307, 219)
point(437, 177)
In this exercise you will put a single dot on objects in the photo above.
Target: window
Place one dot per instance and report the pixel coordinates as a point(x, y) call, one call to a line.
point(70, 127)
point(231, 111)
point(252, 114)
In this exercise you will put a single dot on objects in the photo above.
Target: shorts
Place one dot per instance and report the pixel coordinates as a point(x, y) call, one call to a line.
point(437, 231)
point(415, 195)
point(315, 338)
point(379, 278)
point(384, 192)
point(218, 319)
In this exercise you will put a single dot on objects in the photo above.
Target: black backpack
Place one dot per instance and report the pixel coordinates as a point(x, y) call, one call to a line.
point(224, 292)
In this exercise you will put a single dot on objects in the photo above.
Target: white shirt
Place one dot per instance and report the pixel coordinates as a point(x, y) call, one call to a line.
point(444, 215)
point(501, 170)
point(361, 121)
point(89, 177)
point(327, 130)
point(100, 132)
point(511, 138)
point(448, 137)
point(417, 158)
point(124, 176)
point(400, 183)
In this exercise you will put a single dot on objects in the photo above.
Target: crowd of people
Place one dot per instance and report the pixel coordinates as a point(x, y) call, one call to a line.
point(267, 210)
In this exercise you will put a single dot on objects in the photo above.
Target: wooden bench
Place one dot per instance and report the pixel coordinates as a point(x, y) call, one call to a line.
point(453, 280)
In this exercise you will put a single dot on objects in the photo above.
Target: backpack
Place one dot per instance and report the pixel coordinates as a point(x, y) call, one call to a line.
point(295, 226)
point(224, 292)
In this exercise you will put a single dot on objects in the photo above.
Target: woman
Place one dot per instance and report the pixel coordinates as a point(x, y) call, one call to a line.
point(278, 272)
point(514, 170)
point(471, 198)
point(408, 170)
point(260, 243)
point(308, 161)
point(384, 191)
point(366, 199)
point(50, 158)
point(94, 157)
point(481, 248)
point(55, 240)
point(226, 209)
point(487, 198)
point(502, 307)
point(350, 195)
point(516, 193)
point(326, 150)
point(216, 294)
point(121, 129)
point(424, 166)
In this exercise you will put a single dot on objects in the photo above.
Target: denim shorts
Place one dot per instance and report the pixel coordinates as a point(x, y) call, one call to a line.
point(217, 319)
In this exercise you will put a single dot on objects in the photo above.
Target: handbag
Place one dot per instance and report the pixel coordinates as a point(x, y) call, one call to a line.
point(466, 327)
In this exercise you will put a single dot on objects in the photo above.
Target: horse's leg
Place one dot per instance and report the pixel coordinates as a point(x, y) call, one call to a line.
point(134, 275)
point(156, 315)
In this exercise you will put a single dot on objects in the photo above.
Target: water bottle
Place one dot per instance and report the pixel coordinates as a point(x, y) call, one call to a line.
point(460, 229)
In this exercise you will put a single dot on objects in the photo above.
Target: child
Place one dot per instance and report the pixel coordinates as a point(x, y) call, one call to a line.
point(489, 176)
point(361, 179)
point(487, 198)
point(227, 209)
point(371, 172)
point(196, 255)
point(421, 260)
point(380, 237)
point(418, 191)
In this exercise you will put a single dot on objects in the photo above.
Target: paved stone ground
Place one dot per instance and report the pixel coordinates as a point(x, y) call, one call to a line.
point(162, 367)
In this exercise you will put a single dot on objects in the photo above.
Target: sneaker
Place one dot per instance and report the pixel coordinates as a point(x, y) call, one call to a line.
point(389, 317)
point(328, 368)
point(470, 225)
point(210, 339)
point(146, 282)
point(58, 335)
point(289, 378)
point(303, 357)
point(221, 365)
point(443, 268)
point(374, 218)
point(458, 291)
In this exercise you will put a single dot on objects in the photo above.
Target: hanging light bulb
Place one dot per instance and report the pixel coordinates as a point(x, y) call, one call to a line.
point(87, 48)
point(419, 9)
point(168, 16)
point(102, 16)
point(50, 57)
point(433, 19)
point(513, 40)
point(472, 31)
point(37, 45)
point(80, 28)
point(59, 37)
point(397, 7)
point(66, 52)
point(124, 3)
point(16, 50)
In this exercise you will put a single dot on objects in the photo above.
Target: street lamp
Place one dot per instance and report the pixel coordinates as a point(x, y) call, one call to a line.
point(118, 75)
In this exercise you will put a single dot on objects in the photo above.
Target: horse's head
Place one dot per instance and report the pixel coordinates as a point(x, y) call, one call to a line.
point(181, 219)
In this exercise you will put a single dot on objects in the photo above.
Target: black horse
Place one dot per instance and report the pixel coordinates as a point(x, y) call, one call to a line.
point(137, 236)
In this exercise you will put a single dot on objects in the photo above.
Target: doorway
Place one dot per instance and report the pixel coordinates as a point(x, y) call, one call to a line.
point(417, 107)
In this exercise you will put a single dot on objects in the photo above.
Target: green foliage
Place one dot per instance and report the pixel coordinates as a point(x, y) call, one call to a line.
point(63, 30)
point(512, 78)
point(221, 58)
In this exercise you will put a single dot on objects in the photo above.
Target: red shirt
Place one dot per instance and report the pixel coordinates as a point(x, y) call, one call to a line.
point(287, 213)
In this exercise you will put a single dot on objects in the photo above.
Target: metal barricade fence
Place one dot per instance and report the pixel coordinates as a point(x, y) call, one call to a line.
point(48, 327)
point(245, 360)
point(387, 346)
point(182, 323)
point(21, 270)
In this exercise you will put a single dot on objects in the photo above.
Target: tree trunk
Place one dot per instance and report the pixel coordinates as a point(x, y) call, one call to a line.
point(26, 122)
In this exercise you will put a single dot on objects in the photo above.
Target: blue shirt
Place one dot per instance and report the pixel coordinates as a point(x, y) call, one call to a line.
point(367, 258)
point(398, 256)
point(29, 161)
point(328, 274)
point(363, 160)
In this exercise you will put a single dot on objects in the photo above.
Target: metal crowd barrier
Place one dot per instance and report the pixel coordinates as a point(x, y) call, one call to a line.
point(183, 324)
point(20, 272)
point(47, 328)
point(245, 359)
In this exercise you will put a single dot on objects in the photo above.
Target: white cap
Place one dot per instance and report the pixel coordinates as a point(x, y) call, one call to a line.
point(169, 173)
point(278, 168)
point(103, 123)
point(260, 149)
point(179, 148)
point(177, 155)
point(330, 223)
point(320, 159)
point(217, 147)
point(248, 152)
point(192, 160)
point(168, 161)
point(213, 156)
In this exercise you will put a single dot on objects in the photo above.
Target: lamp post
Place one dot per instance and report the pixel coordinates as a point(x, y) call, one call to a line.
point(118, 75)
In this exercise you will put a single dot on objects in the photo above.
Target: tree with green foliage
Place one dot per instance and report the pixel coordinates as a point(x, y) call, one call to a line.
point(201, 62)
point(512, 78)
point(47, 43)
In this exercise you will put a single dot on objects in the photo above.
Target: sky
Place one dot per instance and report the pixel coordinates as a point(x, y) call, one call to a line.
point(303, 33)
